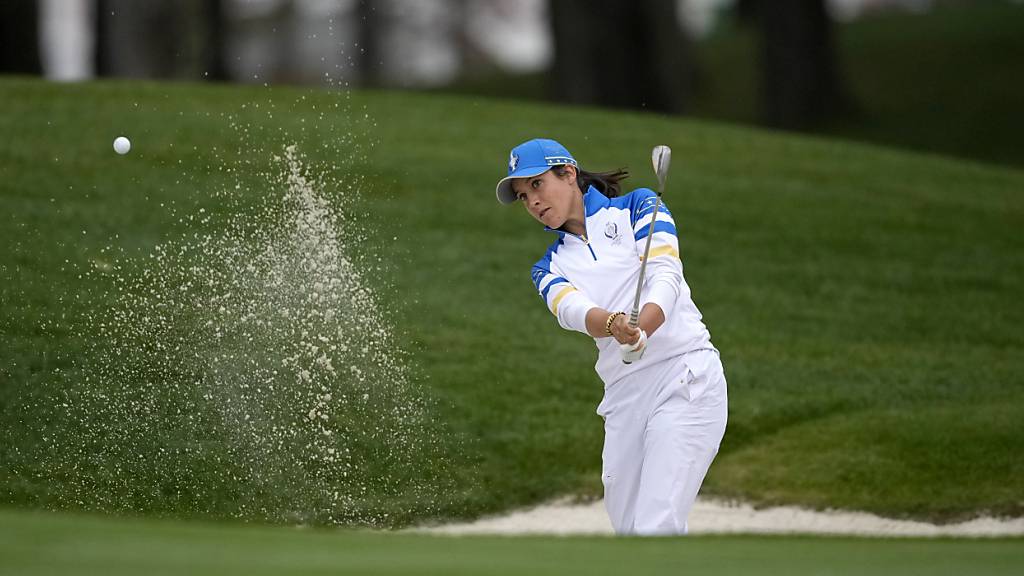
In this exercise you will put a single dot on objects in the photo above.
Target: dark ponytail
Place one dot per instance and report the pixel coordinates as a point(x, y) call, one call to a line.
point(607, 183)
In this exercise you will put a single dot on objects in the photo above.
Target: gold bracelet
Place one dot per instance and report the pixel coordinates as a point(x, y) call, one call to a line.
point(611, 320)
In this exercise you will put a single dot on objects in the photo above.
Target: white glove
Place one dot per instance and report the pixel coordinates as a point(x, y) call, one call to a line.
point(633, 352)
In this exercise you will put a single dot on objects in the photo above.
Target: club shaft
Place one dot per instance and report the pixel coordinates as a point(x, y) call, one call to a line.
point(634, 316)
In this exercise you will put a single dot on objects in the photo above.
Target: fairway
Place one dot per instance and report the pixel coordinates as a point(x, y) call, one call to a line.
point(866, 302)
point(36, 543)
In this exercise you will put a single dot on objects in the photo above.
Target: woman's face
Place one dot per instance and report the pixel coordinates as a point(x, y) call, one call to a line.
point(548, 197)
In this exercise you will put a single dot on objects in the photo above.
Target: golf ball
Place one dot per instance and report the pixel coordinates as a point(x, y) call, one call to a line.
point(122, 145)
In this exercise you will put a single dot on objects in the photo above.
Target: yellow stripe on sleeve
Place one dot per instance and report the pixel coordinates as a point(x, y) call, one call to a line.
point(554, 303)
point(662, 250)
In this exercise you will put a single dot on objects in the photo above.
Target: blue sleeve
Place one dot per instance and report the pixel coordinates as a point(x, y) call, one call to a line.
point(641, 206)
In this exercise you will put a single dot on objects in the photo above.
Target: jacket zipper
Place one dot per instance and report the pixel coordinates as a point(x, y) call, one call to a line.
point(586, 238)
point(591, 248)
point(583, 238)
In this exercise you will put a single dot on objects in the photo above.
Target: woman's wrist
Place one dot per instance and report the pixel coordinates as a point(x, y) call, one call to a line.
point(651, 318)
point(611, 320)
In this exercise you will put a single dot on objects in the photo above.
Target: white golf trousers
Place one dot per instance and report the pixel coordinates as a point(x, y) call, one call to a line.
point(663, 426)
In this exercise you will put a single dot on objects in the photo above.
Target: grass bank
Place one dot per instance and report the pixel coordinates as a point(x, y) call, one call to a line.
point(865, 300)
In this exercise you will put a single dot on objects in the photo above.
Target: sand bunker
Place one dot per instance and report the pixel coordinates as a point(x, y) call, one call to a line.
point(711, 516)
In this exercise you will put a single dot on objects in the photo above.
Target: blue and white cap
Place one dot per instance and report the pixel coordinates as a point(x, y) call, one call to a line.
point(531, 158)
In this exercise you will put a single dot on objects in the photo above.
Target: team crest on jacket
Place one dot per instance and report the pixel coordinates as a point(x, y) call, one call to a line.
point(513, 161)
point(611, 230)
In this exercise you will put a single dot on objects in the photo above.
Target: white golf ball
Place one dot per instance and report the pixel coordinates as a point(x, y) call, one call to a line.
point(122, 145)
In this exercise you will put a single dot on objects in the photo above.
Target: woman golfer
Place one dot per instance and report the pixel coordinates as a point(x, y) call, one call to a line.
point(665, 402)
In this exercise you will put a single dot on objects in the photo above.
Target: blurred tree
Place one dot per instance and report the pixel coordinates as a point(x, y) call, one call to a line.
point(100, 47)
point(282, 66)
point(800, 82)
point(463, 20)
point(369, 23)
point(159, 38)
point(214, 52)
point(19, 31)
point(137, 39)
point(622, 54)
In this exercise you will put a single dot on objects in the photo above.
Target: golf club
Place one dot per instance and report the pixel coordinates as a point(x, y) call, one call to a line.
point(660, 157)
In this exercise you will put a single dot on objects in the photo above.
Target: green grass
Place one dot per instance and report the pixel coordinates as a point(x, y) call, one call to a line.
point(43, 543)
point(866, 300)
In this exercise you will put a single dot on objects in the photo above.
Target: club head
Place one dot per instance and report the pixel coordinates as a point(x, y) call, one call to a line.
point(661, 156)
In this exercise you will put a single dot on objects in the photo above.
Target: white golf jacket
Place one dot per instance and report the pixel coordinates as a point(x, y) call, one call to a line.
point(601, 269)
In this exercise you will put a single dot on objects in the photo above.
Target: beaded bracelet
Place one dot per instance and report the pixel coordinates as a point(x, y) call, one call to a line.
point(611, 320)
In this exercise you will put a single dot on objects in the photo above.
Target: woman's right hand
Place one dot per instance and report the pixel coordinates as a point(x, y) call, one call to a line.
point(623, 332)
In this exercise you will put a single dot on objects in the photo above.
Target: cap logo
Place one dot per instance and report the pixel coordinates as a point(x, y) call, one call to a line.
point(513, 161)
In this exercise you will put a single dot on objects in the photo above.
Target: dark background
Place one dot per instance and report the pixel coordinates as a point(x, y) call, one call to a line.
point(935, 75)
